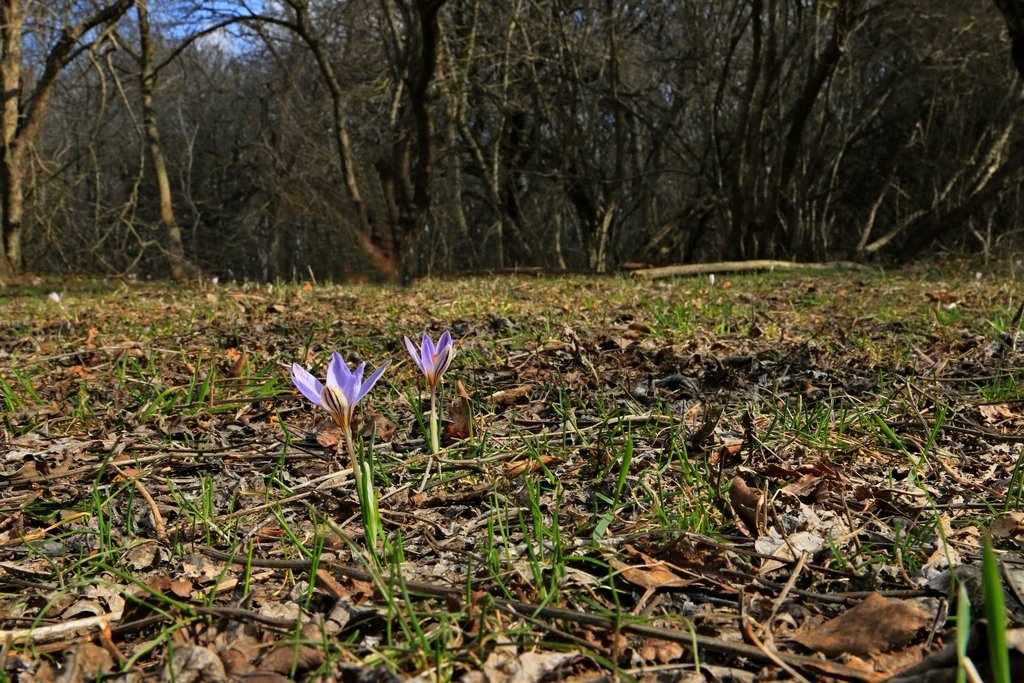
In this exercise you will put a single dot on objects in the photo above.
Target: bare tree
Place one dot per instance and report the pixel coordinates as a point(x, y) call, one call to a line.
point(408, 174)
point(23, 107)
point(1013, 13)
point(147, 84)
point(361, 138)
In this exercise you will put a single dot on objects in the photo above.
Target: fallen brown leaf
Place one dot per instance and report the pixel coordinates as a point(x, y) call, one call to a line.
point(460, 413)
point(329, 435)
point(878, 624)
point(1008, 525)
point(660, 651)
point(992, 414)
point(514, 469)
point(506, 665)
point(79, 371)
point(748, 504)
point(236, 361)
point(651, 575)
point(194, 663)
point(508, 397)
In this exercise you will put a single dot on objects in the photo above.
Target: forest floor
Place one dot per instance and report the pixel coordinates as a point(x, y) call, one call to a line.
point(760, 477)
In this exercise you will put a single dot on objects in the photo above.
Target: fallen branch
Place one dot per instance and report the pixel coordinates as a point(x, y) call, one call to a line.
point(684, 637)
point(39, 634)
point(739, 267)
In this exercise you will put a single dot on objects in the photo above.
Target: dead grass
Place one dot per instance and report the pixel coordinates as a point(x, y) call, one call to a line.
point(670, 479)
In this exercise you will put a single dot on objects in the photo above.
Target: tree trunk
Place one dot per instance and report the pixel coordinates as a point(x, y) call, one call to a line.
point(1013, 12)
point(383, 261)
point(11, 192)
point(413, 146)
point(175, 249)
point(737, 245)
point(21, 114)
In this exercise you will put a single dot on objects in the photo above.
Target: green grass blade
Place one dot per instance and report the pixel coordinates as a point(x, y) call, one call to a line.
point(963, 632)
point(995, 615)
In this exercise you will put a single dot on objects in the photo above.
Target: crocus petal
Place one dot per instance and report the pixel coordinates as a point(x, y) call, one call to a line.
point(337, 371)
point(368, 384)
point(307, 384)
point(445, 353)
point(357, 374)
point(350, 384)
point(427, 354)
point(414, 352)
point(445, 339)
point(444, 359)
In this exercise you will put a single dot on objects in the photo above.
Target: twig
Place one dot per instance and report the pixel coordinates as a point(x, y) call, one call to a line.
point(738, 267)
point(586, 619)
point(987, 433)
point(785, 590)
point(748, 631)
point(158, 519)
point(42, 633)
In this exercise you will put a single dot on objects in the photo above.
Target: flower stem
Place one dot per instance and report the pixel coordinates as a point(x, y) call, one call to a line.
point(357, 470)
point(435, 443)
point(366, 493)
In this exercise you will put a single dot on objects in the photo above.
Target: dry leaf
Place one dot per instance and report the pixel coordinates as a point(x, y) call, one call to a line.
point(91, 661)
point(504, 665)
point(329, 435)
point(79, 372)
point(508, 397)
point(237, 661)
point(992, 414)
point(1008, 525)
point(191, 663)
point(876, 625)
point(458, 427)
point(287, 659)
point(660, 651)
point(326, 582)
point(180, 587)
point(651, 575)
point(809, 487)
point(748, 504)
point(514, 469)
point(380, 427)
point(236, 361)
point(461, 415)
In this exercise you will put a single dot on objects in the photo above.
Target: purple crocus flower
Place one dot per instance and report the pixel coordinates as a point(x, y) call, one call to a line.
point(343, 391)
point(433, 360)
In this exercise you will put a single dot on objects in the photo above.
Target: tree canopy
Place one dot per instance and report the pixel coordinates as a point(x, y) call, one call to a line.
point(392, 139)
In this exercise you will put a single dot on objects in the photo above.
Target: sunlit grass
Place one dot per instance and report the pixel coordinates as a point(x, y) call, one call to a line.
point(558, 482)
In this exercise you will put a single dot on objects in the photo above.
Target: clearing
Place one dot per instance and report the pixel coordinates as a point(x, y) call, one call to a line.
point(757, 477)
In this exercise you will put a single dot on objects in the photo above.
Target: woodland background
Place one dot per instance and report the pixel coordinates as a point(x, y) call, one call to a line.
point(388, 139)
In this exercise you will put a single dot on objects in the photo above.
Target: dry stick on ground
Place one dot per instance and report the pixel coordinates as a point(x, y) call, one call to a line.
point(749, 634)
point(158, 519)
point(162, 454)
point(42, 633)
point(561, 614)
point(739, 266)
point(987, 433)
point(784, 593)
point(40, 534)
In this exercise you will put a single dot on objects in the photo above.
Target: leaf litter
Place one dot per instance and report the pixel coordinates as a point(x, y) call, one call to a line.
point(774, 475)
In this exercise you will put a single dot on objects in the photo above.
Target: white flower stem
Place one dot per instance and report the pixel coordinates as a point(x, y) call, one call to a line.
point(366, 493)
point(435, 442)
point(357, 470)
